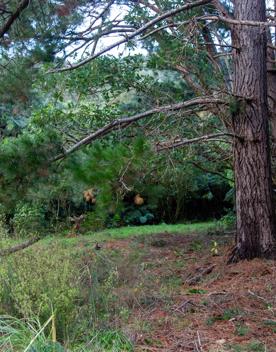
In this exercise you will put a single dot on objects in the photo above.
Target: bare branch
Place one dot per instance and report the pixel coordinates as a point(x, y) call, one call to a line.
point(240, 22)
point(150, 6)
point(221, 9)
point(206, 138)
point(106, 8)
point(211, 19)
point(139, 31)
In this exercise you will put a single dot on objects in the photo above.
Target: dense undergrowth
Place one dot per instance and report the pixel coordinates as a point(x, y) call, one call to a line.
point(66, 294)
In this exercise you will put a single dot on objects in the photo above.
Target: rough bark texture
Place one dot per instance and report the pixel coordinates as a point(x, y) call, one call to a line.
point(255, 220)
point(271, 84)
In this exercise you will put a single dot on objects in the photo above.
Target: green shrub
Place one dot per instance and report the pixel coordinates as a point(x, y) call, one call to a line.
point(108, 341)
point(228, 220)
point(94, 221)
point(78, 286)
point(28, 219)
point(3, 223)
point(38, 282)
point(134, 215)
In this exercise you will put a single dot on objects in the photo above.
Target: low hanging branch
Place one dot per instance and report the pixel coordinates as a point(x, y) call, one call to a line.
point(126, 121)
point(206, 138)
point(18, 247)
point(14, 16)
point(204, 169)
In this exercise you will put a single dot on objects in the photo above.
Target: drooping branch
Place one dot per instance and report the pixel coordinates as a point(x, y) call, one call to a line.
point(136, 33)
point(126, 121)
point(18, 247)
point(14, 16)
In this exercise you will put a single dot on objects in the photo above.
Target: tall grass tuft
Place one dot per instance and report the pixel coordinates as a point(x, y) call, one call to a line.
point(25, 335)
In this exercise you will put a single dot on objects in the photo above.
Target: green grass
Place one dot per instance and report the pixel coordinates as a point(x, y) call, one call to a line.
point(131, 231)
point(17, 335)
point(253, 346)
point(121, 233)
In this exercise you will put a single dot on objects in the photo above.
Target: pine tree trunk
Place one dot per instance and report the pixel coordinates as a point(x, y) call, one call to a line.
point(255, 219)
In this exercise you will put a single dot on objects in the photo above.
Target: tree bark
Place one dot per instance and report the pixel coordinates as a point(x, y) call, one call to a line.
point(255, 236)
point(271, 84)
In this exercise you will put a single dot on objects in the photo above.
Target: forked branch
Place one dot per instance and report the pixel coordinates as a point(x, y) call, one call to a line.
point(136, 33)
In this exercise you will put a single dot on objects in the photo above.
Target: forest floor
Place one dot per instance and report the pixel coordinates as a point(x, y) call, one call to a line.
point(199, 303)
point(188, 299)
point(174, 291)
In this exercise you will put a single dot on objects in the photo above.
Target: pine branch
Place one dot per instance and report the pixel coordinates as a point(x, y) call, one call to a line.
point(21, 7)
point(206, 138)
point(133, 35)
point(126, 121)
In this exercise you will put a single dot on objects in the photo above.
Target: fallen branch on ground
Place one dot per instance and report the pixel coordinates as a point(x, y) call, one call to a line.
point(18, 247)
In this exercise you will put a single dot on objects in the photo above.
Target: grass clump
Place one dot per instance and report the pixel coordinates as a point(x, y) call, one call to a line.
point(241, 330)
point(25, 335)
point(108, 341)
point(227, 314)
point(253, 346)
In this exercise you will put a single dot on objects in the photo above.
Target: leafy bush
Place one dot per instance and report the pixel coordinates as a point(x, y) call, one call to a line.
point(27, 219)
point(3, 224)
point(228, 220)
point(78, 288)
point(108, 341)
point(38, 282)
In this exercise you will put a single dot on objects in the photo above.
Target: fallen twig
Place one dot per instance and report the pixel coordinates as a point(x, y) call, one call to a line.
point(202, 272)
point(199, 342)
